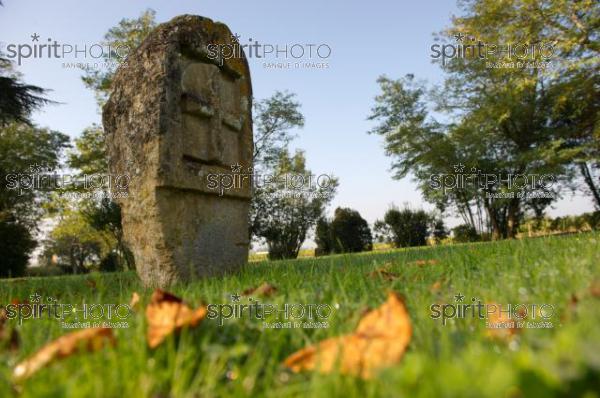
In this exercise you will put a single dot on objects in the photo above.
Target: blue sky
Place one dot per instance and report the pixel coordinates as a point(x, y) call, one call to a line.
point(367, 39)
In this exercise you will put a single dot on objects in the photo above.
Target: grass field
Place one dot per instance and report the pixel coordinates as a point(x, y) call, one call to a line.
point(241, 358)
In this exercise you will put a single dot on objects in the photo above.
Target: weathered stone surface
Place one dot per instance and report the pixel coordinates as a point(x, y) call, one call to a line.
point(174, 116)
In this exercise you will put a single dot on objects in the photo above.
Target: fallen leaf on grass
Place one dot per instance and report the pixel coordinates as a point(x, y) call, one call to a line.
point(379, 340)
point(436, 286)
point(422, 263)
point(383, 273)
point(573, 300)
point(9, 337)
point(595, 288)
point(500, 326)
point(14, 341)
point(90, 339)
point(135, 299)
point(91, 283)
point(266, 289)
point(167, 314)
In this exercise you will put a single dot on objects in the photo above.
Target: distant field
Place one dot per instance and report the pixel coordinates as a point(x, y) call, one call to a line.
point(262, 256)
point(241, 358)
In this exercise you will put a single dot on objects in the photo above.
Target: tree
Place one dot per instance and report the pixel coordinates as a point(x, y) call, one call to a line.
point(16, 245)
point(348, 232)
point(323, 237)
point(439, 231)
point(89, 155)
point(464, 233)
point(123, 38)
point(572, 85)
point(27, 152)
point(100, 212)
point(17, 99)
point(273, 120)
point(105, 216)
point(405, 227)
point(274, 117)
point(24, 149)
point(502, 121)
point(284, 216)
point(498, 126)
point(77, 243)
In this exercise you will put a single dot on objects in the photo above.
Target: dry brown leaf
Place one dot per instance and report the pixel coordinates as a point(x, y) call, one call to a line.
point(595, 288)
point(422, 263)
point(167, 314)
point(90, 339)
point(9, 337)
point(91, 283)
point(3, 317)
point(436, 286)
point(502, 327)
point(573, 300)
point(379, 340)
point(265, 289)
point(16, 301)
point(383, 273)
point(13, 341)
point(135, 299)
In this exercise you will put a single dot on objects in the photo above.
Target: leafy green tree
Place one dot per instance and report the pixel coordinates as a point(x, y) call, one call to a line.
point(465, 233)
point(348, 232)
point(23, 148)
point(273, 120)
point(439, 231)
point(323, 237)
point(405, 227)
point(89, 155)
point(284, 216)
point(16, 244)
point(105, 216)
point(101, 212)
point(498, 125)
point(77, 243)
point(26, 150)
point(123, 38)
point(569, 90)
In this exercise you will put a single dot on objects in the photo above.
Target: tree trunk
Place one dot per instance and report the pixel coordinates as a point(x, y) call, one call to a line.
point(493, 217)
point(589, 180)
point(513, 219)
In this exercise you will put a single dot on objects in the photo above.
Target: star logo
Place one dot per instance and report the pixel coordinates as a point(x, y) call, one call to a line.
point(35, 37)
point(35, 298)
point(459, 36)
point(459, 297)
point(35, 168)
point(235, 297)
point(235, 37)
point(236, 168)
point(458, 168)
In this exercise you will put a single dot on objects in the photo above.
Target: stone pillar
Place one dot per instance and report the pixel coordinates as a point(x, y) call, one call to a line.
point(176, 115)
